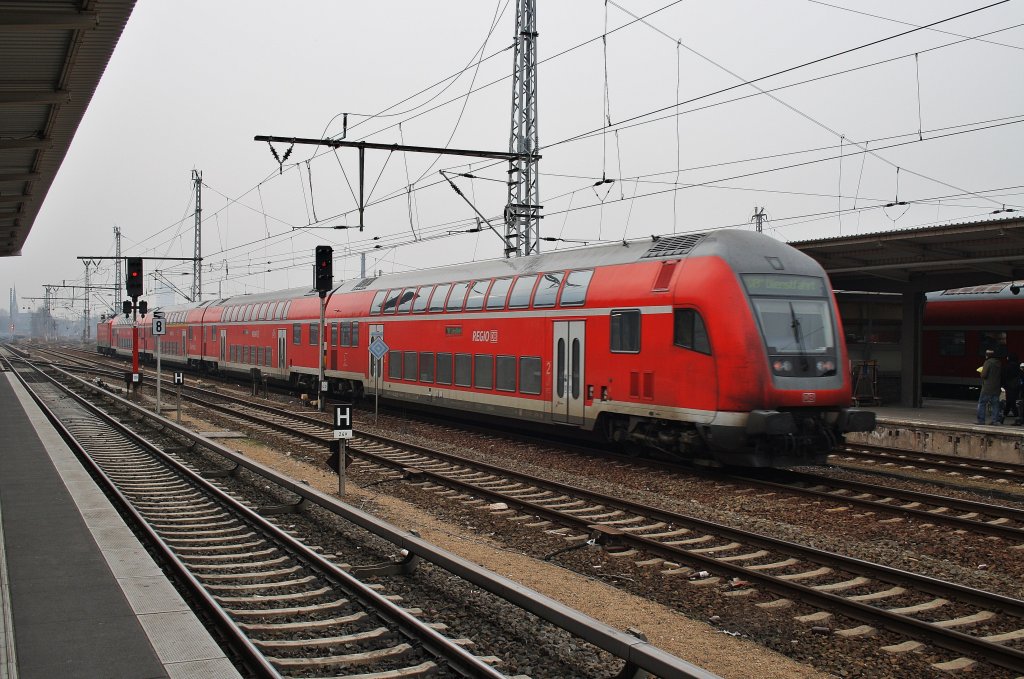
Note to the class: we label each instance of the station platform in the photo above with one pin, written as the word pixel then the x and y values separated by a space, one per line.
pixel 80 597
pixel 947 427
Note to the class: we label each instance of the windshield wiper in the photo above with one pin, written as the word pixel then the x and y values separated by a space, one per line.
pixel 798 336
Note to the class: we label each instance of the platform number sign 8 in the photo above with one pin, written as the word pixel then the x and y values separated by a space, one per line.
pixel 159 327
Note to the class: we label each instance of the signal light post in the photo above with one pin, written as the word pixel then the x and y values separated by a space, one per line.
pixel 323 281
pixel 133 286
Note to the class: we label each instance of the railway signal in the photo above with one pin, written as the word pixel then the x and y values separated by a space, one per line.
pixel 323 277
pixel 133 281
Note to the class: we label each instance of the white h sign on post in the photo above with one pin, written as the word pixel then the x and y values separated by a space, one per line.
pixel 342 421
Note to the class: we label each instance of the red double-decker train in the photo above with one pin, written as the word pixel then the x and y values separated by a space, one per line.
pixel 960 325
pixel 721 348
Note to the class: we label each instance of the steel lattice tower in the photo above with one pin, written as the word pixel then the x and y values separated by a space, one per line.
pixel 117 270
pixel 522 214
pixel 197 268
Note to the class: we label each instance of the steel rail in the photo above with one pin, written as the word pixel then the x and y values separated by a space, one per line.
pixel 633 650
pixel 252 657
pixel 455 655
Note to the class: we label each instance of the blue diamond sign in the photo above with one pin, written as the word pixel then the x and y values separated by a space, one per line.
pixel 378 348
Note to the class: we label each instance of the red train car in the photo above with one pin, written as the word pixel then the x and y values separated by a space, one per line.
pixel 723 347
pixel 959 325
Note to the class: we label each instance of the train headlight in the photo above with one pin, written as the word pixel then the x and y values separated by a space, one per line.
pixel 825 367
pixel 782 367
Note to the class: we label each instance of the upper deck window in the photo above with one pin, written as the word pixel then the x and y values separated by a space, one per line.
pixel 499 293
pixel 457 297
pixel 475 300
pixel 547 290
pixel 575 291
pixel 438 298
pixel 521 292
pixel 422 298
pixel 378 300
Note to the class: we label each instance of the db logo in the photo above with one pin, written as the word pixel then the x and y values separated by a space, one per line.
pixel 810 397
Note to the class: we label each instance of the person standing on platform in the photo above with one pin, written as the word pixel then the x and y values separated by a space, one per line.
pixel 990 386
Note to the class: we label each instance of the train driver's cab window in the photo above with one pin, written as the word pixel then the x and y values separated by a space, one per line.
pixel 457 297
pixel 438 298
pixel 378 300
pixel 421 299
pixel 953 343
pixel 689 331
pixel 547 289
pixel 521 292
pixel 575 291
pixel 475 299
pixel 499 293
pixel 625 331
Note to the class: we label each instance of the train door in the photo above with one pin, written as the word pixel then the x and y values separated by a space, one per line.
pixel 184 345
pixel 567 372
pixel 282 347
pixel 223 344
pixel 374 365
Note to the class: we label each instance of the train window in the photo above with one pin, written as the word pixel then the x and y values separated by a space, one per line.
pixel 314 334
pixel 246 310
pixel 245 354
pixel 265 311
pixel 953 343
pixel 334 334
pixel 499 293
pixel 463 370
pixel 444 368
pixel 475 299
pixel 576 284
pixel 378 300
pixel 483 371
pixel 296 333
pixel 287 308
pixel 190 333
pixel 411 367
pixel 355 333
pixel 547 290
pixel 405 303
pixel 426 367
pixel 282 307
pixel 689 331
pixel 438 298
pixel 232 313
pixel 574 367
pixel 457 297
pixel 259 356
pixel 391 302
pixel 346 334
pixel 529 375
pixel 268 357
pixel 395 365
pixel 505 367
pixel 422 298
pixel 560 368
pixel 521 292
pixel 213 332
pixel 625 331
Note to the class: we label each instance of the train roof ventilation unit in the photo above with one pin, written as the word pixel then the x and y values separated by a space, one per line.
pixel 364 283
pixel 673 246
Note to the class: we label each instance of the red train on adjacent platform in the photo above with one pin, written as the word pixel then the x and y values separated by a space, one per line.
pixel 959 325
pixel 721 348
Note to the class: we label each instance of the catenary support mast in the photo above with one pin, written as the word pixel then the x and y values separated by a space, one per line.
pixel 522 214
pixel 118 281
pixel 197 263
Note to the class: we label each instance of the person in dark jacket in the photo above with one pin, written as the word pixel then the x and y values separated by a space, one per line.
pixel 991 384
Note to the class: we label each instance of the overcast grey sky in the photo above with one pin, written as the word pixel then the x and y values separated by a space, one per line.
pixel 192 82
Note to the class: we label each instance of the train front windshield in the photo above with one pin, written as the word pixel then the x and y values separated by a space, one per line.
pixel 795 316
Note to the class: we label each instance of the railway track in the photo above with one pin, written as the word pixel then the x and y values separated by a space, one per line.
pixel 298 610
pixel 973 625
pixel 889 461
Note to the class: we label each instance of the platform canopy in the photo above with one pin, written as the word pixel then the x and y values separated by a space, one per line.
pixel 924 259
pixel 52 55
